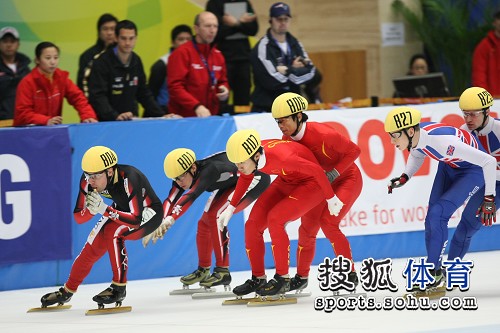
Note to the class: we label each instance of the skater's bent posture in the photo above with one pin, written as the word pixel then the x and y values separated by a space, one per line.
pixel 135 212
pixel 336 155
pixel 301 185
pixel 190 178
pixel 463 169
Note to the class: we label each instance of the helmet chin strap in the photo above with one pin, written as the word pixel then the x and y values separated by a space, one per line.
pixel 296 118
pixel 410 139
pixel 484 121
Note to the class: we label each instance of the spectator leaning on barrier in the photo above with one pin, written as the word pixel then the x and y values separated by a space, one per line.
pixel 118 82
pixel 13 67
pixel 40 94
pixel 196 73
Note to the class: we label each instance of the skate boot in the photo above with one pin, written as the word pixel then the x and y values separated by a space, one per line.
pixel 353 277
pixel 250 286
pixel 112 294
pixel 60 297
pixel 275 286
pixel 201 274
pixel 220 276
pixel 298 282
pixel 438 284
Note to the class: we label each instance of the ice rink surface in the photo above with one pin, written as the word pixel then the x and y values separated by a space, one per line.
pixel 154 310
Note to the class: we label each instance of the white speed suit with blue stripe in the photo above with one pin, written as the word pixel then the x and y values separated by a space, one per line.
pixel 489 138
pixel 464 168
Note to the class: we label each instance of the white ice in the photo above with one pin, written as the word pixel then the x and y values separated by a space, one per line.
pixel 155 311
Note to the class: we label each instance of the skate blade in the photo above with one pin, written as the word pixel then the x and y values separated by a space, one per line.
pixel 215 294
pixel 239 301
pixel 116 309
pixel 348 295
pixel 271 301
pixel 50 308
pixel 429 294
pixel 298 294
pixel 191 291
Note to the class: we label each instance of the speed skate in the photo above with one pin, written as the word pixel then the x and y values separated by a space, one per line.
pixel 288 298
pixel 213 293
pixel 51 308
pixel 118 308
pixel 431 293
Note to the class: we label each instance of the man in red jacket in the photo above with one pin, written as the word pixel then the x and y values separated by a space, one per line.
pixel 196 72
pixel 486 60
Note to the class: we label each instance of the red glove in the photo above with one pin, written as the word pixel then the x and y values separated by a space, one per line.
pixel 397 182
pixel 488 211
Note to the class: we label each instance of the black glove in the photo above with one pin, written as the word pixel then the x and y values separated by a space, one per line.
pixel 488 211
pixel 397 182
pixel 332 175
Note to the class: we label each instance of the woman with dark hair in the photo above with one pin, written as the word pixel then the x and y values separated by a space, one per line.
pixel 419 65
pixel 40 94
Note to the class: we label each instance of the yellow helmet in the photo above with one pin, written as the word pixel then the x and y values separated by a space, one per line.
pixel 98 158
pixel 242 145
pixel 288 104
pixel 178 161
pixel 475 98
pixel 401 118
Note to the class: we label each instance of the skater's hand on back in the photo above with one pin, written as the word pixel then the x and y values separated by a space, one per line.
pixel 335 205
pixel 166 224
pixel 224 217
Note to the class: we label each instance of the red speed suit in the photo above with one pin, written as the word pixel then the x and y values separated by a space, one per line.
pixel 301 185
pixel 333 151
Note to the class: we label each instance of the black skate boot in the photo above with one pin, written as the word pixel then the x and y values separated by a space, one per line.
pixel 220 276
pixel 112 294
pixel 298 282
pixel 249 286
pixel 199 275
pixel 353 277
pixel 275 286
pixel 60 297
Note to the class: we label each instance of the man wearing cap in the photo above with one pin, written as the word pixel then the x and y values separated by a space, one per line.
pixel 13 67
pixel 279 61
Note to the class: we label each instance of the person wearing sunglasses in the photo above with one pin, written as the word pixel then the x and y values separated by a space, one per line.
pixel 464 168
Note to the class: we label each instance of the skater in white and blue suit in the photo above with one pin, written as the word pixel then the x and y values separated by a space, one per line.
pixel 475 103
pixel 464 168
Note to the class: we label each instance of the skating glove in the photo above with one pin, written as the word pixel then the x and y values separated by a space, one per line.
pixel 95 204
pixel 332 175
pixel 335 205
pixel 487 211
pixel 224 217
pixel 397 182
pixel 147 214
pixel 166 224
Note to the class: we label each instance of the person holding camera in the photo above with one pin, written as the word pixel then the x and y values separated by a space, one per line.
pixel 279 61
